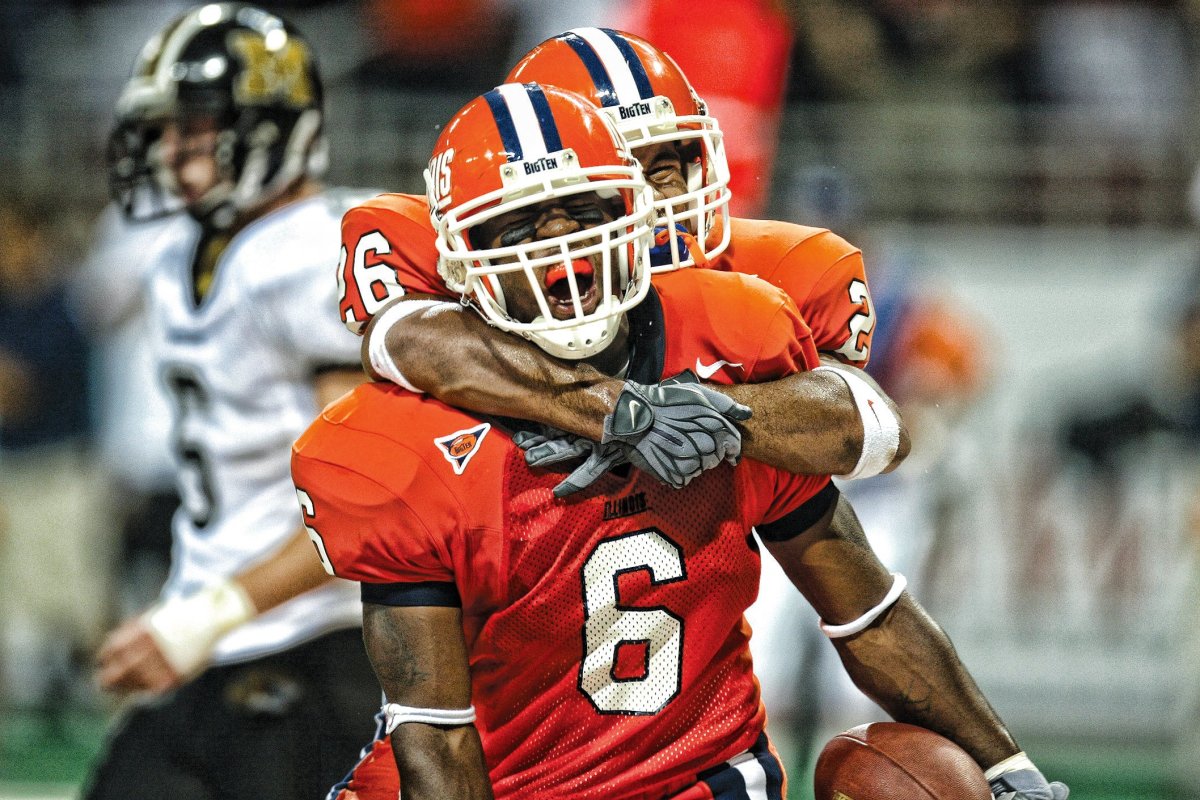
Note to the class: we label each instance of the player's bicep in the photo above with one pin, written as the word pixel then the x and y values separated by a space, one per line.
pixel 416 336
pixel 830 561
pixel 419 654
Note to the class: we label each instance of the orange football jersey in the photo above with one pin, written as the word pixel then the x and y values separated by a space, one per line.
pixel 388 250
pixel 822 273
pixel 609 654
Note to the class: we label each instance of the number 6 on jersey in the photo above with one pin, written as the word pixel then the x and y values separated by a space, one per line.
pixel 609 627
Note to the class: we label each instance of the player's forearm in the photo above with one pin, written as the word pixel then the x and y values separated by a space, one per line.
pixel 420 658
pixel 806 424
pixel 288 572
pixel 452 354
pixel 437 762
pixel 907 664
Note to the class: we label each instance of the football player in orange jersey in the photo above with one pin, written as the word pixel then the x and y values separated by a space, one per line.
pixel 592 647
pixel 810 423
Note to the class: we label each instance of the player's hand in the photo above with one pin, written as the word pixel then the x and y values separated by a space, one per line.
pixel 676 429
pixel 603 457
pixel 551 447
pixel 547 446
pixel 131 661
pixel 1027 784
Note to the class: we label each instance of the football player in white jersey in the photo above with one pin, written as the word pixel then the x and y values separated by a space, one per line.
pixel 254 656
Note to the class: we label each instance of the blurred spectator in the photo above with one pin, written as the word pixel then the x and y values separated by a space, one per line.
pixel 1118 76
pixel 539 20
pixel 1122 67
pixel 1129 467
pixel 908 49
pixel 453 45
pixel 51 553
pixel 1162 411
pixel 735 53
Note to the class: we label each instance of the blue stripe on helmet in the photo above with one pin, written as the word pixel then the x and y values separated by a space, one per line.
pixel 636 68
pixel 504 123
pixel 595 67
pixel 541 107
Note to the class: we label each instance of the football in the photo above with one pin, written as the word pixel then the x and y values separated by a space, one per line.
pixel 894 761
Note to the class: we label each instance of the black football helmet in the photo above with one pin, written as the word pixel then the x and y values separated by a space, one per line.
pixel 256 76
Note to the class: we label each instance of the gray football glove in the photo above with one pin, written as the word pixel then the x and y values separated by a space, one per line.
pixel 676 429
pixel 1027 784
pixel 551 447
pixel 672 430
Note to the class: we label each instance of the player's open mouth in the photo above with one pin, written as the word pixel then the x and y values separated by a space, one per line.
pixel 558 288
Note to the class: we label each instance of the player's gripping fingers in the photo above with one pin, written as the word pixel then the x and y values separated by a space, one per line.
pixel 676 451
pixel 554 451
pixel 130 661
pixel 526 439
pixel 602 459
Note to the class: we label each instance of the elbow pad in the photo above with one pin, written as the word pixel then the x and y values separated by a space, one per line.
pixel 881 428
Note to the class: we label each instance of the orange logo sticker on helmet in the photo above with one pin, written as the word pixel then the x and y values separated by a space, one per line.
pixel 459 447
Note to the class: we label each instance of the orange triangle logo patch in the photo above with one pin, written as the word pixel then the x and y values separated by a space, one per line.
pixel 459 447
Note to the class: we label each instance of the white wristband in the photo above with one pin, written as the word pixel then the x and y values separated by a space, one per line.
pixel 863 622
pixel 881 428
pixel 187 628
pixel 398 715
pixel 377 352
pixel 1010 764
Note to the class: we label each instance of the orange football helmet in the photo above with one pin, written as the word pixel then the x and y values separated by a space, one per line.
pixel 520 145
pixel 650 100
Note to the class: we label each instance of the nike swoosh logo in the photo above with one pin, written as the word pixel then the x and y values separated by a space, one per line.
pixel 706 371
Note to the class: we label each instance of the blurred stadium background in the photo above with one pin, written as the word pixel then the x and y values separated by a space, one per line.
pixel 1020 176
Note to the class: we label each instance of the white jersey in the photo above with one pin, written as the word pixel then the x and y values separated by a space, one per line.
pixel 239 369
pixel 134 415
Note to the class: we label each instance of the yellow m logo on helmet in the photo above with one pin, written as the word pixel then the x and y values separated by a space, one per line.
pixel 275 72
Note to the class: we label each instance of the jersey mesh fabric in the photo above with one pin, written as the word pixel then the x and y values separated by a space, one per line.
pixel 684 695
